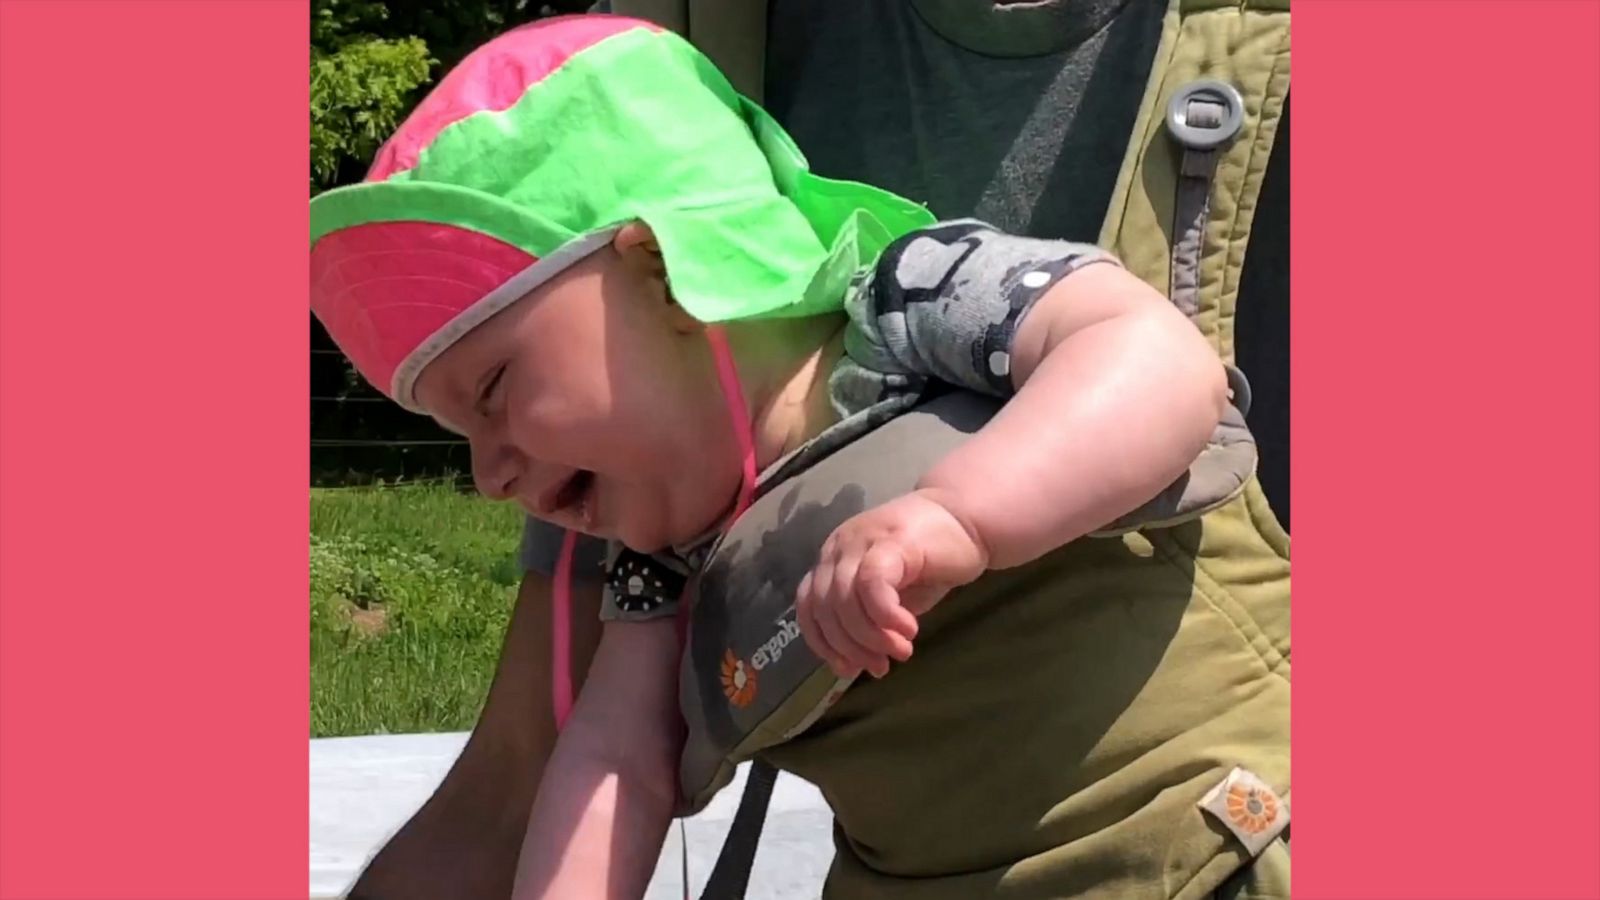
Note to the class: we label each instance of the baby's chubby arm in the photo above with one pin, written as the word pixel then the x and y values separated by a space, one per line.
pixel 1117 393
pixel 609 789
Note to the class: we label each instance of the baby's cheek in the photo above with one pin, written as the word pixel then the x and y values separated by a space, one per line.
pixel 545 434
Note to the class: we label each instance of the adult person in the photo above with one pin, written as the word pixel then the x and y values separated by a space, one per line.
pixel 1016 113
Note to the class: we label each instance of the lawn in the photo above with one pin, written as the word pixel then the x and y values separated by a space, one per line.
pixel 411 588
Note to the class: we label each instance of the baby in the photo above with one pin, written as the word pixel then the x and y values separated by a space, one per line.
pixel 617 280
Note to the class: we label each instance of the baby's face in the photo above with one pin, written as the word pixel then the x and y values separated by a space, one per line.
pixel 593 402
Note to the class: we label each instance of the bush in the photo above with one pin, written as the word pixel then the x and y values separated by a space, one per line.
pixel 359 94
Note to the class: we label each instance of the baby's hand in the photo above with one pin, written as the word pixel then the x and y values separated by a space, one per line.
pixel 877 572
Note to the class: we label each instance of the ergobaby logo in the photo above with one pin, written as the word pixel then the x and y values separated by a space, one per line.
pixel 1252 808
pixel 1249 807
pixel 738 680
pixel 772 650
pixel 739 677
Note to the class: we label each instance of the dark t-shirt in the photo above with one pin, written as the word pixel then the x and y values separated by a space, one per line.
pixel 1020 117
pixel 1017 116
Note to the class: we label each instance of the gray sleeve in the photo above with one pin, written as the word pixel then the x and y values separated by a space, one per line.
pixel 541 546
pixel 635 587
pixel 945 302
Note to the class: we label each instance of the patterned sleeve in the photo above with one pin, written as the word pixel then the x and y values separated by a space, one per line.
pixel 945 302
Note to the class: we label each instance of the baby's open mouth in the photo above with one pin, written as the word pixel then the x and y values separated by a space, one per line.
pixel 574 496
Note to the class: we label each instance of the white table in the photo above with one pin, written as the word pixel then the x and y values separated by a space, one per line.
pixel 364 788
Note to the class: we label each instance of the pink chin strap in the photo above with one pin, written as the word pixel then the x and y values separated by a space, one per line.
pixel 561 608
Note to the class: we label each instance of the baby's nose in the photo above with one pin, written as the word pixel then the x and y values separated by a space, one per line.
pixel 495 470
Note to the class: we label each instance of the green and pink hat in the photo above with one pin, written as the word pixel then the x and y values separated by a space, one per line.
pixel 534 150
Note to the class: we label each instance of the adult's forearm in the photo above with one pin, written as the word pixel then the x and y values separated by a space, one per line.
pixel 610 787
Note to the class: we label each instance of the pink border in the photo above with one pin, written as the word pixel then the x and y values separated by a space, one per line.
pixel 152 449
pixel 1446 391
pixel 153 466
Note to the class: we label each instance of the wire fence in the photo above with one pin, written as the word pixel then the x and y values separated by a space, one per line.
pixel 360 438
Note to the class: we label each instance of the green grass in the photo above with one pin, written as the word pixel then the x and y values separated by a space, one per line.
pixel 411 588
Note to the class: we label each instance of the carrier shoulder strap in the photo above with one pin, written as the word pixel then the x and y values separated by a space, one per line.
pixel 1181 212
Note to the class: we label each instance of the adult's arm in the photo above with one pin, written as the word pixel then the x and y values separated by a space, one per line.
pixel 610 788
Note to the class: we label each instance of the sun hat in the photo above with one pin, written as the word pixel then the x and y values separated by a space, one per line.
pixel 534 150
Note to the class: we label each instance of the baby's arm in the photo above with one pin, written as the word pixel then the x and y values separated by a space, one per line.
pixel 1117 394
pixel 610 787
pixel 1113 395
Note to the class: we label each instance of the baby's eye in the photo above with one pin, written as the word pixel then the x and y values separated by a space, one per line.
pixel 490 386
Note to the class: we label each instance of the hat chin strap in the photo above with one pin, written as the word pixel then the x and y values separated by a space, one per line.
pixel 561 607
pixel 743 431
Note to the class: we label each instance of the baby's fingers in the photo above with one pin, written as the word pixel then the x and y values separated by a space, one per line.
pixel 878 580
pixel 806 603
pixel 880 595
pixel 845 599
pixel 881 644
pixel 851 657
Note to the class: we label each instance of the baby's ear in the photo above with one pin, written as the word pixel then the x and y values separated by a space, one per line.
pixel 640 251
pixel 637 246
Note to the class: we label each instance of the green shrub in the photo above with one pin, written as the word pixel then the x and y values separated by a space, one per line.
pixel 359 94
